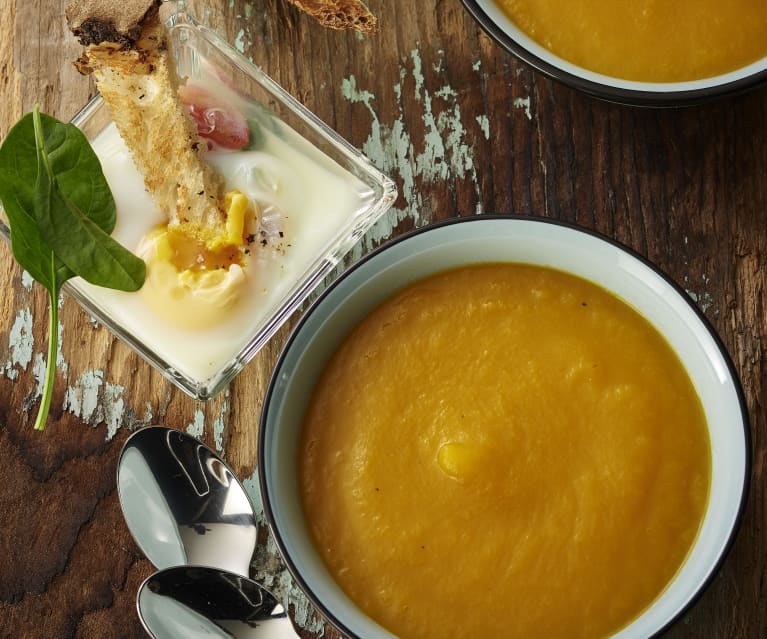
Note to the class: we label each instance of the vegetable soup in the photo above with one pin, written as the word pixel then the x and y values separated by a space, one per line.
pixel 649 40
pixel 504 450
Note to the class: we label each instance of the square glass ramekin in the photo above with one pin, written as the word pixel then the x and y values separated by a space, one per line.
pixel 200 53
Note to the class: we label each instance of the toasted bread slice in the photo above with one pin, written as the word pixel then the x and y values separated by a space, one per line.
pixel 127 53
pixel 340 14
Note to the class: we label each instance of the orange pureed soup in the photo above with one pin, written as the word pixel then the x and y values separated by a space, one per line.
pixel 504 450
pixel 647 40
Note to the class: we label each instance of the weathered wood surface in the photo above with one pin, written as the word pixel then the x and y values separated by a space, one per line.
pixel 464 129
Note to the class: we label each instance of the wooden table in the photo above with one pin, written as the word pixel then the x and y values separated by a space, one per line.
pixel 463 128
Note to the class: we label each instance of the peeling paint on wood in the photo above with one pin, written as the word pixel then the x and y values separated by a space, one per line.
pixel 219 422
pixel 95 401
pixel 27 280
pixel 20 344
pixel 442 153
pixel 196 428
pixel 702 298
pixel 81 399
pixel 524 104
pixel 484 124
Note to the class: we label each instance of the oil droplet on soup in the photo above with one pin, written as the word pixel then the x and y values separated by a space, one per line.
pixel 646 40
pixel 522 444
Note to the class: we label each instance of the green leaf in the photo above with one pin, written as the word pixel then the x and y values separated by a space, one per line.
pixel 78 174
pixel 61 212
pixel 74 235
pixel 17 195
pixel 72 160
pixel 82 245
pixel 29 248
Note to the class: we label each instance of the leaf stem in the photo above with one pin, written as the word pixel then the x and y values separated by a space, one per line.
pixel 53 343
pixel 42 151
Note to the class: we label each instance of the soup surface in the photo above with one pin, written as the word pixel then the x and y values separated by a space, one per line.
pixel 647 40
pixel 504 450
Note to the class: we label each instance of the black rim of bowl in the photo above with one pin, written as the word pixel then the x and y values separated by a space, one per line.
pixel 633 97
pixel 745 420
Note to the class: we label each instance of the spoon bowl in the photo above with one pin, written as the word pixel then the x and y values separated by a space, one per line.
pixel 199 601
pixel 182 503
pixel 194 521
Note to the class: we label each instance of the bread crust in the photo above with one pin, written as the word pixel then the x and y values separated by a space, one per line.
pixel 127 53
pixel 135 74
pixel 340 14
pixel 116 21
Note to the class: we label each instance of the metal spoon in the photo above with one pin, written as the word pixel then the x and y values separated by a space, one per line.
pixel 192 602
pixel 182 503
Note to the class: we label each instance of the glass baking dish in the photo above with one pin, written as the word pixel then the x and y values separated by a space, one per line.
pixel 343 196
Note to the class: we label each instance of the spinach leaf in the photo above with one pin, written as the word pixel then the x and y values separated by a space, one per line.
pixel 75 237
pixel 17 179
pixel 72 160
pixel 82 245
pixel 60 211
pixel 28 246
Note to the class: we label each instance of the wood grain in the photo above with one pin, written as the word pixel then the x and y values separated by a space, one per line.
pixel 463 128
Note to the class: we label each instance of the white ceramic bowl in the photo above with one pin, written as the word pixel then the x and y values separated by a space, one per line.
pixel 511 239
pixel 502 29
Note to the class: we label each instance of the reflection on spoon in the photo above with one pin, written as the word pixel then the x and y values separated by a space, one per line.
pixel 182 504
pixel 192 602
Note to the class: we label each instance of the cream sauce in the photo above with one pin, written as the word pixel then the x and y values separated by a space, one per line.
pixel 314 198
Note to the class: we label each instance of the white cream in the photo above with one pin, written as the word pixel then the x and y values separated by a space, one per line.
pixel 299 194
pixel 195 299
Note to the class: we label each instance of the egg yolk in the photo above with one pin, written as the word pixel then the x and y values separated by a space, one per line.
pixel 191 282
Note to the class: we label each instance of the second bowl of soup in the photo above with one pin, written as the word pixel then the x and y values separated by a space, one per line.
pixel 645 53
